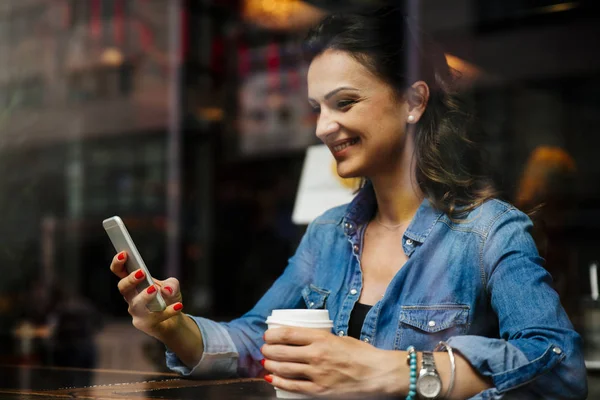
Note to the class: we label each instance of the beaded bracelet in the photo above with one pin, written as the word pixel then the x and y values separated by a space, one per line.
pixel 411 360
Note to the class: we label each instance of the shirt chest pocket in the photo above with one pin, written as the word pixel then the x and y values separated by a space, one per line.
pixel 425 326
pixel 314 297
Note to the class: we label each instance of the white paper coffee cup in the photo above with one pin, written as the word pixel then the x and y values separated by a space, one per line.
pixel 315 319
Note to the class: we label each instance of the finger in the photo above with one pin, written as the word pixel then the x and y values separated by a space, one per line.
pixel 168 312
pixel 284 353
pixel 288 369
pixel 294 385
pixel 293 336
pixel 137 306
pixel 170 290
pixel 150 319
pixel 171 311
pixel 128 284
pixel 117 266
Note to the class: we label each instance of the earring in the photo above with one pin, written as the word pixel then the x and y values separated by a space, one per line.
pixel 411 118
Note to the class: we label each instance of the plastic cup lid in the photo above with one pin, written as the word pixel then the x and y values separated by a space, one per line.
pixel 301 314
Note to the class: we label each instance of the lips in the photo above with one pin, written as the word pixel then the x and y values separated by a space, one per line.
pixel 343 144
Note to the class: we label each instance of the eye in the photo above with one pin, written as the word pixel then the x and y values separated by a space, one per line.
pixel 345 103
pixel 315 109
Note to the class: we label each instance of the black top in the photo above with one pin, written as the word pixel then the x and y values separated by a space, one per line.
pixel 357 318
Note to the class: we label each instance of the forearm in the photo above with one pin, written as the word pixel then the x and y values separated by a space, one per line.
pixel 467 381
pixel 185 340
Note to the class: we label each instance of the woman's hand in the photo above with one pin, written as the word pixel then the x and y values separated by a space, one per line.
pixel 319 363
pixel 156 324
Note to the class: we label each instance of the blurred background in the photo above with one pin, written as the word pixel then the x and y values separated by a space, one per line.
pixel 189 120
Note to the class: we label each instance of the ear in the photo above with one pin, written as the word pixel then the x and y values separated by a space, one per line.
pixel 417 97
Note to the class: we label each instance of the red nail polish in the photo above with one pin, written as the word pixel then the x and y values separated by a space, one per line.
pixel 269 378
pixel 262 362
pixel 177 306
pixel 151 289
pixel 139 274
pixel 168 289
pixel 121 256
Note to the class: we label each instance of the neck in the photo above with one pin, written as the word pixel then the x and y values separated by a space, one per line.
pixel 396 190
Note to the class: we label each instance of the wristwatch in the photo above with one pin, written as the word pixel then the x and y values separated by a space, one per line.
pixel 429 383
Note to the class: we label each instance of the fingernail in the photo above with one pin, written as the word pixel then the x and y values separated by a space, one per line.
pixel 121 256
pixel 262 362
pixel 177 306
pixel 269 378
pixel 168 289
pixel 139 274
pixel 151 289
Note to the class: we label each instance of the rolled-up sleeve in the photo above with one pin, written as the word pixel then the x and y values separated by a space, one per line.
pixel 233 348
pixel 219 358
pixel 538 354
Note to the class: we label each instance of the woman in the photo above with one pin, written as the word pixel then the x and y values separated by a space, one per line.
pixel 422 254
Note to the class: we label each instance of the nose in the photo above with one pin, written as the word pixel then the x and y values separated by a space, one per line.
pixel 325 127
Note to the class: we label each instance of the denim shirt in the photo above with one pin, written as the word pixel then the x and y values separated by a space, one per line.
pixel 477 283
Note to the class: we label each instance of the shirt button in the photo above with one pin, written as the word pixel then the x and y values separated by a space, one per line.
pixel 557 350
pixel 311 304
pixel 431 323
pixel 353 292
pixel 366 340
pixel 356 248
pixel 341 333
pixel 409 242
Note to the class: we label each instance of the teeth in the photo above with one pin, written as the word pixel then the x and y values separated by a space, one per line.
pixel 342 146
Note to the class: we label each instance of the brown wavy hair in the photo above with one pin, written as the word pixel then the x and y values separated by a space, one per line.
pixel 449 164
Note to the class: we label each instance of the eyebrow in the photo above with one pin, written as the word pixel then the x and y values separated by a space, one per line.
pixel 334 91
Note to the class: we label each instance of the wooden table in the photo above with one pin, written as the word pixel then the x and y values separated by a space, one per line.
pixel 37 383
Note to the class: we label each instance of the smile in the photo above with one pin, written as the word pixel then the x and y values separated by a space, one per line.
pixel 342 146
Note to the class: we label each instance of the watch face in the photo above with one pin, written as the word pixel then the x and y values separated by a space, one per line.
pixel 429 386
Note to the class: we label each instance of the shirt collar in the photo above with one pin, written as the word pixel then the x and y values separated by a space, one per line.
pixel 363 207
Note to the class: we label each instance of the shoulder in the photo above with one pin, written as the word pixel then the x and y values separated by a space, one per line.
pixel 490 215
pixel 333 216
pixel 325 231
pixel 326 225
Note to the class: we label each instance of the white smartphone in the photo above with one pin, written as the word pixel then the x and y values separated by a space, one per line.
pixel 119 236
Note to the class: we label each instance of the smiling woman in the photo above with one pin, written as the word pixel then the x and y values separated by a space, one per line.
pixel 423 258
pixel 386 69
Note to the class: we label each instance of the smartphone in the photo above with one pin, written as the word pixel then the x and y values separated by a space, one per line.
pixel 120 238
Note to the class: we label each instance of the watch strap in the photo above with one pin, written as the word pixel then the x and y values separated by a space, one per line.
pixel 427 360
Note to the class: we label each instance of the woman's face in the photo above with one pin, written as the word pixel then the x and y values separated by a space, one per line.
pixel 360 117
